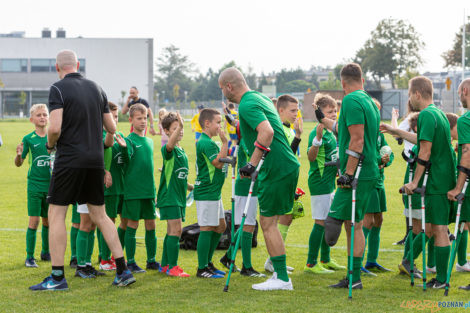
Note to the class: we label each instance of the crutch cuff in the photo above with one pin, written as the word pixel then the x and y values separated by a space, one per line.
pixel 464 170
pixel 355 154
pixel 425 163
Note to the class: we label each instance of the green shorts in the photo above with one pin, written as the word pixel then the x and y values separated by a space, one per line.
pixel 377 201
pixel 37 204
pixel 75 214
pixel 464 211
pixel 113 205
pixel 276 197
pixel 415 201
pixel 172 213
pixel 437 209
pixel 139 209
pixel 341 206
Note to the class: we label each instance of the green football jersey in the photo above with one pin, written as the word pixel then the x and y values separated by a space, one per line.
pixel 39 173
pixel 139 182
pixel 209 180
pixel 174 178
pixel 289 132
pixel 358 108
pixel 463 130
pixel 321 178
pixel 242 185
pixel 256 108
pixel 116 169
pixel 433 126
pixel 381 142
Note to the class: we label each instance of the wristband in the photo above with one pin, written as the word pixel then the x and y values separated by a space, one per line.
pixel 49 148
pixel 317 143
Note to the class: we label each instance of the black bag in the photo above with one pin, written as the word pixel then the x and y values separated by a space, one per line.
pixel 190 235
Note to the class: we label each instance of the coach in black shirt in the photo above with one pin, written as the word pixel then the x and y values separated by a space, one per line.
pixel 78 110
pixel 133 99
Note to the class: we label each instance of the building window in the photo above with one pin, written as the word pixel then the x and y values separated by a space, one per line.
pixel 42 65
pixel 81 69
pixel 14 65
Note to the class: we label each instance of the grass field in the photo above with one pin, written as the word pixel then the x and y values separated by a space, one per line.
pixel 157 292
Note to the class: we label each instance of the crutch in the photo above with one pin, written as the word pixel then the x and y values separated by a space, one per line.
pixel 254 176
pixel 457 232
pixel 233 162
pixel 422 190
pixel 359 156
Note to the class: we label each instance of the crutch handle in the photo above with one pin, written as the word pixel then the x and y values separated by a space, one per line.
pixel 460 197
pixel 231 161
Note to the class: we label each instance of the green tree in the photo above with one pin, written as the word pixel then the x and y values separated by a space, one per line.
pixel 394 47
pixel 403 80
pixel 263 81
pixel 298 85
pixel 173 68
pixel 331 84
pixel 453 57
pixel 285 76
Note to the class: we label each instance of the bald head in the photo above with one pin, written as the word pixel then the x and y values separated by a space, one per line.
pixel 465 84
pixel 232 76
pixel 464 92
pixel 66 60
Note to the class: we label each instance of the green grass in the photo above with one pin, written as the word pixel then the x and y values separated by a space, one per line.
pixel 156 292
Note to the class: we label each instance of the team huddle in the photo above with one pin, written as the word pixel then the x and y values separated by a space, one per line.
pixel 347 154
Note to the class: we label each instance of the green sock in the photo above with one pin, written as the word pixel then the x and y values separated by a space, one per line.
pixel 462 250
pixel 357 263
pixel 122 236
pixel 366 232
pixel 203 247
pixel 325 250
pixel 284 229
pixel 73 242
pixel 247 239
pixel 314 243
pixel 431 254
pixel 151 245
pixel 30 242
pixel 442 261
pixel 105 252
pixel 374 244
pixel 91 246
pixel 279 264
pixel 409 238
pixel 165 252
pixel 130 244
pixel 82 247
pixel 418 246
pixel 100 243
pixel 45 239
pixel 214 243
pixel 173 248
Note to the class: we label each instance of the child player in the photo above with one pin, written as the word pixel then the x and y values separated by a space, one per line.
pixel 39 176
pixel 287 108
pixel 139 191
pixel 321 182
pixel 171 199
pixel 207 191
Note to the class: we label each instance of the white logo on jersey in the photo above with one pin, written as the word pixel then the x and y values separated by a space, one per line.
pixel 138 146
pixel 36 145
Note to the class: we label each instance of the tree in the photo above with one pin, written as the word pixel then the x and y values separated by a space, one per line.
pixel 250 77
pixel 402 81
pixel 298 85
pixel 263 81
pixel 394 47
pixel 173 68
pixel 331 84
pixel 453 57
pixel 285 76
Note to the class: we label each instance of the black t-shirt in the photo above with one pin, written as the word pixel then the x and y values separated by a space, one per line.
pixel 80 144
pixel 139 100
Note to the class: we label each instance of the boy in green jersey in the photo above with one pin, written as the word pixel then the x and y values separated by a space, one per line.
pixel 139 190
pixel 287 108
pixel 207 191
pixel 378 204
pixel 171 198
pixel 321 183
pixel 434 146
pixel 463 129
pixel 39 176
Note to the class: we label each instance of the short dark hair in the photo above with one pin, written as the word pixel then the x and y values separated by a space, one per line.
pixel 168 119
pixel 423 85
pixel 134 87
pixel 452 117
pixel 137 107
pixel 112 106
pixel 284 100
pixel 351 72
pixel 231 106
pixel 323 100
pixel 207 115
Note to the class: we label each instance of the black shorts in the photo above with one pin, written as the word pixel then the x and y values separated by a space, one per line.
pixel 76 185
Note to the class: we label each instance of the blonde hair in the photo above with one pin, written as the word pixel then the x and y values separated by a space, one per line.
pixel 137 107
pixel 323 100
pixel 36 107
pixel 162 113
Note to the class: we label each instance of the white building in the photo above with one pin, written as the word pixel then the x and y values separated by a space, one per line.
pixel 27 67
